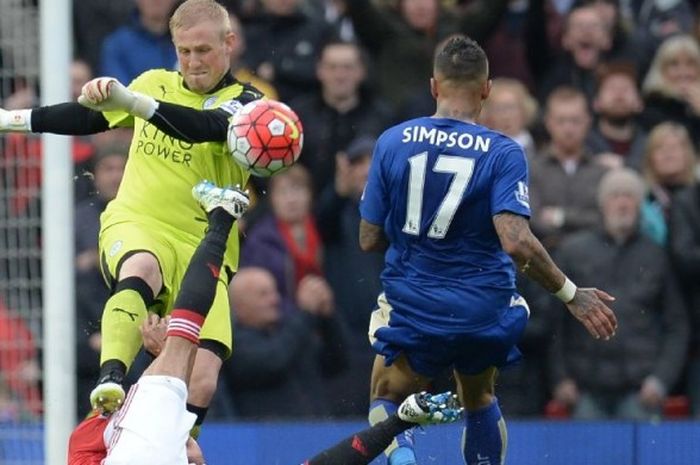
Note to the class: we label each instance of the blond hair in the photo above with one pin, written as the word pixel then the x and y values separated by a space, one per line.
pixel 655 139
pixel 193 12
pixel 655 81
pixel 527 103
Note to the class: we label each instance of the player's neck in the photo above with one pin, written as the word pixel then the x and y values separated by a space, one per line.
pixel 457 110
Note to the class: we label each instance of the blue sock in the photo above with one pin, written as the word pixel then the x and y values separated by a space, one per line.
pixel 400 452
pixel 485 439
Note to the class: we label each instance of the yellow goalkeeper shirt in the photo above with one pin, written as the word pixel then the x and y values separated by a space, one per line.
pixel 161 170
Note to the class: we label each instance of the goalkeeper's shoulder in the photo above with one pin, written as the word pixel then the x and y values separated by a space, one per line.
pixel 238 94
pixel 150 81
pixel 250 93
pixel 244 92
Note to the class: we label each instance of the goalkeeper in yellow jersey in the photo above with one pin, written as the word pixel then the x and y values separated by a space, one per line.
pixel 151 229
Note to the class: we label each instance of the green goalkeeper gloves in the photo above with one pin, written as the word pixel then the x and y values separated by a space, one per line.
pixel 15 120
pixel 108 94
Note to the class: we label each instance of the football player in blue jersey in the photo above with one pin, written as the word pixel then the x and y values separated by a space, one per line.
pixel 447 200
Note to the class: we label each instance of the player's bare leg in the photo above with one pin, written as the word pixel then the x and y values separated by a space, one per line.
pixel 389 386
pixel 395 382
pixel 175 360
pixel 485 438
pixel 205 375
pixel 139 281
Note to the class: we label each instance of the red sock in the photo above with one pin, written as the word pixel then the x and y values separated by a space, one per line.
pixel 185 324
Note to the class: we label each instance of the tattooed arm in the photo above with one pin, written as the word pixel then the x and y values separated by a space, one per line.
pixel 372 237
pixel 532 259
pixel 527 252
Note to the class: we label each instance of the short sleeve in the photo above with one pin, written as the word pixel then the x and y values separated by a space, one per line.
pixel 510 185
pixel 374 201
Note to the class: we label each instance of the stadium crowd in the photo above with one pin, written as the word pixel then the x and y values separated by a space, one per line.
pixel 604 97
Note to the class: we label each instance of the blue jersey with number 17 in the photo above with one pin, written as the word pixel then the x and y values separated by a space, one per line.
pixel 434 186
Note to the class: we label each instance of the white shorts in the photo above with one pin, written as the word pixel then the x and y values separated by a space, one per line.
pixel 153 425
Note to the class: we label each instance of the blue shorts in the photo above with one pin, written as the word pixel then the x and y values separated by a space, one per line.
pixel 468 352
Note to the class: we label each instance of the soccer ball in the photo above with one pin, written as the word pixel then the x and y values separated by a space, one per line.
pixel 265 136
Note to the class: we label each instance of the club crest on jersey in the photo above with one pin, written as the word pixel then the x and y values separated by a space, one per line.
pixel 116 247
pixel 208 103
pixel 522 194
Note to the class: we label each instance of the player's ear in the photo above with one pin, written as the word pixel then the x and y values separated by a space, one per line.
pixel 486 89
pixel 433 88
pixel 230 41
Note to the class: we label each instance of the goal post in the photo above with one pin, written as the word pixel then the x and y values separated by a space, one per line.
pixel 57 244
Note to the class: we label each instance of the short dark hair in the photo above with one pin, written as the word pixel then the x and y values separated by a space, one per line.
pixel 459 58
pixel 565 93
pixel 335 41
pixel 612 68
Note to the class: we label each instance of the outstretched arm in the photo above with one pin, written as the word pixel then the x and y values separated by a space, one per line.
pixel 184 123
pixel 64 118
pixel 73 119
pixel 587 305
pixel 191 125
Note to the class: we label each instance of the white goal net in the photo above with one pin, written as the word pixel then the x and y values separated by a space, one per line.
pixel 21 406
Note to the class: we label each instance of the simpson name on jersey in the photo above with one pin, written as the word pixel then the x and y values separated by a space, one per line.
pixel 438 137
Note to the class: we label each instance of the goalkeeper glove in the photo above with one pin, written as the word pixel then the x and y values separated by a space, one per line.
pixel 108 94
pixel 15 120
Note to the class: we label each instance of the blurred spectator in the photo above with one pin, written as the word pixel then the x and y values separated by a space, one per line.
pixel 515 47
pixel 657 20
pixel 352 274
pixel 10 409
pixel 93 20
pixel 623 45
pixel 280 364
pixel 672 86
pixel 617 138
pixel 511 110
pixel 285 240
pixel 669 165
pixel 403 41
pixel 684 244
pixel 334 12
pixel 240 71
pixel 564 178
pixel 19 364
pixel 91 292
pixel 337 113
pixel 629 376
pixel 585 41
pixel 143 43
pixel 80 73
pixel 287 44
